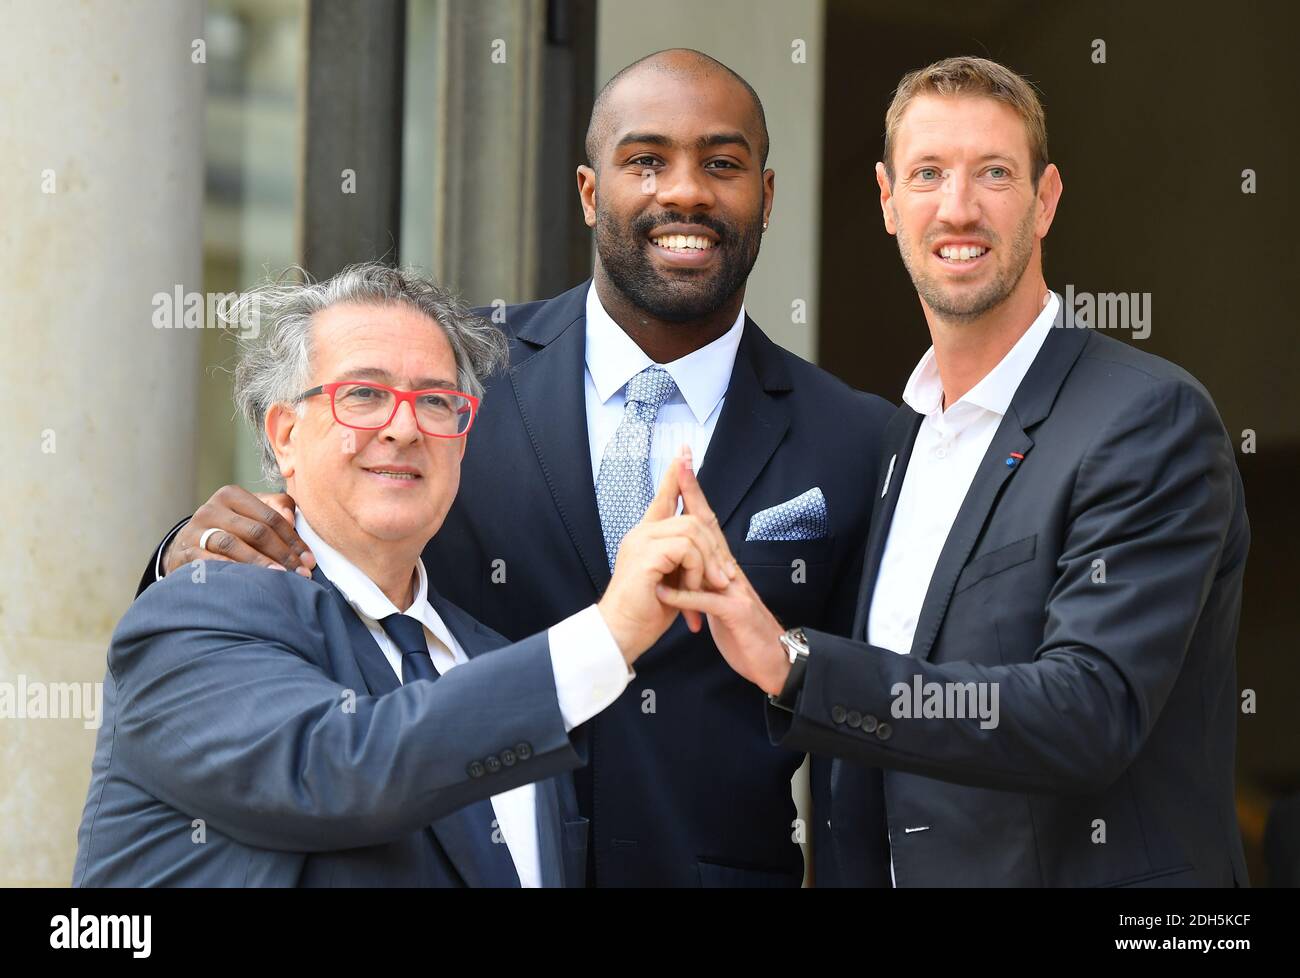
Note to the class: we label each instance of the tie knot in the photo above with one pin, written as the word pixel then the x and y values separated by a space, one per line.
pixel 651 387
pixel 406 632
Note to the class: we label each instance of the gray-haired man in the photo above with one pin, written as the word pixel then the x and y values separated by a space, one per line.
pixel 270 729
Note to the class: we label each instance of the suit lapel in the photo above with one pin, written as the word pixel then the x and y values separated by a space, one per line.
pixel 900 436
pixel 1031 404
pixel 751 425
pixel 474 638
pixel 990 477
pixel 370 658
pixel 464 835
pixel 550 389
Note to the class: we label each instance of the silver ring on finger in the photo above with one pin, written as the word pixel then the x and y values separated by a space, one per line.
pixel 207 534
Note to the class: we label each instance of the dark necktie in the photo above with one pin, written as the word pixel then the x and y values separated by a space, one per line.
pixel 408 635
pixel 473 824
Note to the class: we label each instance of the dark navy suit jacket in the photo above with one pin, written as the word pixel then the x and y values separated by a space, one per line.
pixel 256 702
pixel 683 788
pixel 1098 584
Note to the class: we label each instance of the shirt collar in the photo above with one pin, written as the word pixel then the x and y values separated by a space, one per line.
pixel 362 594
pixel 924 390
pixel 701 377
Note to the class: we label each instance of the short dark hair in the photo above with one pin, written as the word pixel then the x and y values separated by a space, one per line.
pixel 599 127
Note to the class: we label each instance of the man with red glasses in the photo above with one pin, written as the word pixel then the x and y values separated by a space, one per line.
pixel 347 729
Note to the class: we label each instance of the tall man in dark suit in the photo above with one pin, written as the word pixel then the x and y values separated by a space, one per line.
pixel 605 382
pixel 1041 674
pixel 350 729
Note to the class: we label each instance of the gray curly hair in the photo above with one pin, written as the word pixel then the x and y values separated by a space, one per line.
pixel 274 365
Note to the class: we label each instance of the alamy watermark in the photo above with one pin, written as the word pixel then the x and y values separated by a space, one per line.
pixel 946 701
pixel 179 309
pixel 1108 310
pixel 75 931
pixel 36 700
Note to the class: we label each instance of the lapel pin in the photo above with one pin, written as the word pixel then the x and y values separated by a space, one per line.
pixel 1013 459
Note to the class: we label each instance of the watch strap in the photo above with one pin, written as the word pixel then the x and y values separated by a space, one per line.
pixel 789 694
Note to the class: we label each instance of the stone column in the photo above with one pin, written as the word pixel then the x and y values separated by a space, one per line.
pixel 498 95
pixel 101 189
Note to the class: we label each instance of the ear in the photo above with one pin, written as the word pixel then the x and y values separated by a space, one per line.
pixel 587 194
pixel 1049 195
pixel 280 422
pixel 886 199
pixel 769 194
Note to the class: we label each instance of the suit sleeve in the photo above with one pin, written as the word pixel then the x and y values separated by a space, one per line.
pixel 153 570
pixel 1153 498
pixel 226 713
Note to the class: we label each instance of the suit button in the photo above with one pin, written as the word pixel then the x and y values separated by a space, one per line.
pixel 523 750
pixel 854 719
pixel 492 764
pixel 838 713
pixel 475 769
pixel 869 724
pixel 883 731
pixel 508 757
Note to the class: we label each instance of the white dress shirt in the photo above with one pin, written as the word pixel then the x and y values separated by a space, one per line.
pixel 589 674
pixel 949 446
pixel 689 416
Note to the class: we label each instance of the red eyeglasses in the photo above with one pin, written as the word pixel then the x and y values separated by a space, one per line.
pixel 368 406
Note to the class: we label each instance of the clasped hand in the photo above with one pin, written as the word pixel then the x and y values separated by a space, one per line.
pixel 670 564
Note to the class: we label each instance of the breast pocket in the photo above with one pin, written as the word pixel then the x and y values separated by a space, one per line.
pixel 997 561
pixel 793 577
pixel 783 553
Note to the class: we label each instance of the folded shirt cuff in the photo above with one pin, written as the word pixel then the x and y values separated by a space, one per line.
pixel 589 670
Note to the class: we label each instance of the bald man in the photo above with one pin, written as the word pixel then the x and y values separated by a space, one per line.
pixel 606 382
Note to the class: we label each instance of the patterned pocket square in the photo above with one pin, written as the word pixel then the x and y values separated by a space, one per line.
pixel 800 518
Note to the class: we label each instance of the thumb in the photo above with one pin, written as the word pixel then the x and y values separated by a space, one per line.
pixel 664 503
pixel 281 502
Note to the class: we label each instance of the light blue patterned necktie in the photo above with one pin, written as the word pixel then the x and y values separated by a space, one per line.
pixel 623 486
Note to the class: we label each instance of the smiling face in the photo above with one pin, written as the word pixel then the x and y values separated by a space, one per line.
pixel 963 204
pixel 371 490
pixel 681 195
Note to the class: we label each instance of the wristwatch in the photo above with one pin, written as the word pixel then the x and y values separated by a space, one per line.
pixel 795 643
